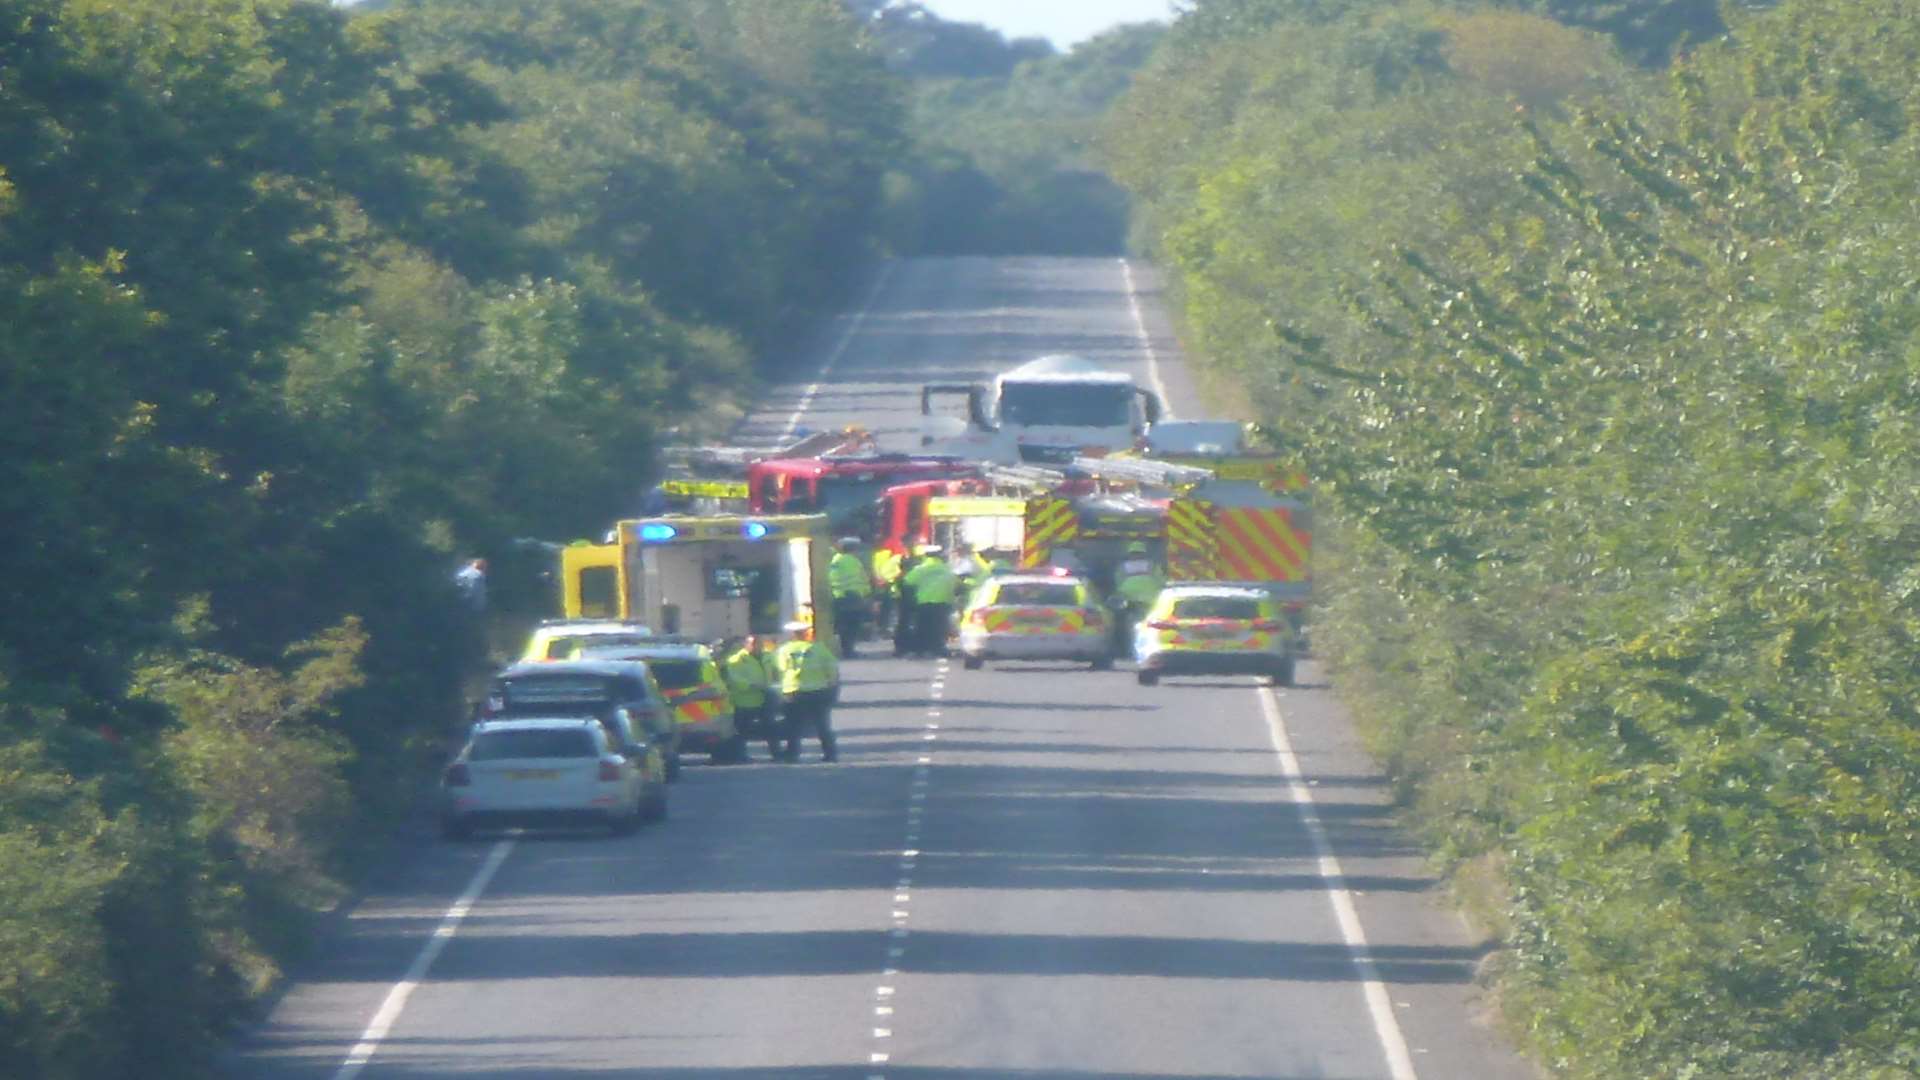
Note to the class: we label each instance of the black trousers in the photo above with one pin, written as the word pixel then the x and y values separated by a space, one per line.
pixel 850 621
pixel 810 709
pixel 904 641
pixel 930 625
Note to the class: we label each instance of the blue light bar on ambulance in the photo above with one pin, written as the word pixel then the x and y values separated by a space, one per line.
pixel 657 533
pixel 755 530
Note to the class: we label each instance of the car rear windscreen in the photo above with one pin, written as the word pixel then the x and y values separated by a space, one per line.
pixel 570 647
pixel 676 674
pixel 1036 594
pixel 590 692
pixel 1216 607
pixel 533 743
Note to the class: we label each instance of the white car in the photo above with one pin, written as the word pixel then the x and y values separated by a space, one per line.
pixel 550 770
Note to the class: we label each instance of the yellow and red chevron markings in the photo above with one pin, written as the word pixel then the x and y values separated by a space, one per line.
pixel 1033 620
pixel 1192 550
pixel 1049 522
pixel 689 709
pixel 1261 545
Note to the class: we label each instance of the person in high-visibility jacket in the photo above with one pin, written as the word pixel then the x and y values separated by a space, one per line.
pixel 934 587
pixel 887 569
pixel 748 685
pixel 852 587
pixel 809 679
pixel 968 566
pixel 1138 587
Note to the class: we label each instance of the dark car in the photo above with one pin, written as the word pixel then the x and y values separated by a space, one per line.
pixel 621 694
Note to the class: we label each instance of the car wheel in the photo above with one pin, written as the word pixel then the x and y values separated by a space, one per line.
pixel 673 766
pixel 1148 678
pixel 657 806
pixel 455 828
pixel 1104 663
pixel 731 752
pixel 974 663
pixel 1283 674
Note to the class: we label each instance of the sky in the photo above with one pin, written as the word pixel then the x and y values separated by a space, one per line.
pixel 1066 22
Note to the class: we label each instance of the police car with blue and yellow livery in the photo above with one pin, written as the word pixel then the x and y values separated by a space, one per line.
pixel 1041 616
pixel 1215 629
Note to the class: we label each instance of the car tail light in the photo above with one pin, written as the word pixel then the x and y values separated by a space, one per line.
pixel 609 771
pixel 1163 624
pixel 458 775
pixel 1267 625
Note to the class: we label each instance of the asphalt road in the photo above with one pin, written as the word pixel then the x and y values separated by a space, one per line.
pixel 1031 871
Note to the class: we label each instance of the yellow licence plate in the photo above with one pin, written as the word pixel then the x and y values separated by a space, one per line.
pixel 534 774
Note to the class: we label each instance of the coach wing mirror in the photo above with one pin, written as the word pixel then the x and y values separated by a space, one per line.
pixel 1150 402
pixel 977 409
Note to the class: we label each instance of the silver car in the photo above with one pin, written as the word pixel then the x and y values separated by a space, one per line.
pixel 550 771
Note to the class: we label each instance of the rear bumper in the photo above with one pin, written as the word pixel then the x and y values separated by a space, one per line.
pixel 707 735
pixel 552 818
pixel 1034 646
pixel 1188 661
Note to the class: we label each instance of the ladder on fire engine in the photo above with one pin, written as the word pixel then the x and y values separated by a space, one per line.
pixel 706 460
pixel 1144 472
pixel 1023 479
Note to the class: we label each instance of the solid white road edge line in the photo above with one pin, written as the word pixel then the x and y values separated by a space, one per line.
pixel 396 1001
pixel 826 369
pixel 1379 1005
pixel 1146 342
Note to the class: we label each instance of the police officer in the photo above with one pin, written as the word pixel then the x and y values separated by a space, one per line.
pixel 1138 587
pixel 887 568
pixel 748 685
pixel 852 588
pixel 966 566
pixel 934 587
pixel 809 683
pixel 903 628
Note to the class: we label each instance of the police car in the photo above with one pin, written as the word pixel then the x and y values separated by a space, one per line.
pixel 1034 617
pixel 1214 629
pixel 564 639
pixel 690 680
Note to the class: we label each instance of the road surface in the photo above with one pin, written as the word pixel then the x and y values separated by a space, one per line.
pixel 1031 871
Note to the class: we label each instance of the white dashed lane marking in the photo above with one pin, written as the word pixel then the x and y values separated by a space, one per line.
pixel 909 855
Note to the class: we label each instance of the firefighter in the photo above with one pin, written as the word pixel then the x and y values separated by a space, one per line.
pixel 852 587
pixel 934 588
pixel 1138 586
pixel 809 684
pixel 748 683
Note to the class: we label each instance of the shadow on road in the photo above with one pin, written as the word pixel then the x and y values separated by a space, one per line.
pixel 967 703
pixel 460 1062
pixel 537 954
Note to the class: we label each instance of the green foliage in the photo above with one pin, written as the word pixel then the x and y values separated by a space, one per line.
pixel 297 305
pixel 1613 409
pixel 55 862
pixel 1005 160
